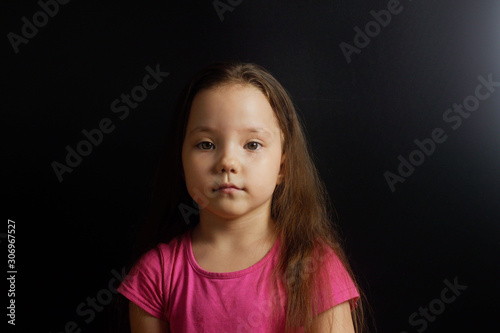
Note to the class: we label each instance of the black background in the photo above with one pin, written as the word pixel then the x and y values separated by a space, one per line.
pixel 440 224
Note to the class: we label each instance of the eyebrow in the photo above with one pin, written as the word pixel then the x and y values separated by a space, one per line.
pixel 248 129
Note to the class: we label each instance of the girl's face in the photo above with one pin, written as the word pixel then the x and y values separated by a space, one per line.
pixel 232 136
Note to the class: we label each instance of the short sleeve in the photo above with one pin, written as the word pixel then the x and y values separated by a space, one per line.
pixel 144 284
pixel 339 286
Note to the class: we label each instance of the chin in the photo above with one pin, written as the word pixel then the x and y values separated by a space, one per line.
pixel 226 212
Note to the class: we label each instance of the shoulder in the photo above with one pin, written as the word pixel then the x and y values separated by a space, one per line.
pixel 153 263
pixel 335 282
pixel 162 251
pixel 165 252
pixel 333 260
pixel 148 282
pixel 327 260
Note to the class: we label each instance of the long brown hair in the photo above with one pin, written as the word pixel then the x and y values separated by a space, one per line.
pixel 300 207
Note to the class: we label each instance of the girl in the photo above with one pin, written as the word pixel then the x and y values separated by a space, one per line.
pixel 242 240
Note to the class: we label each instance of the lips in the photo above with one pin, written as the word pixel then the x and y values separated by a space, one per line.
pixel 228 186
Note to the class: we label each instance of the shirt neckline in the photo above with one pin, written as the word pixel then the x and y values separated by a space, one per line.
pixel 225 275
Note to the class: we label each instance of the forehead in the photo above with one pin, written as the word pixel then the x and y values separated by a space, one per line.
pixel 230 108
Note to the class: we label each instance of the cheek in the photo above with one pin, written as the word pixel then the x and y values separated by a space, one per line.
pixel 269 169
pixel 188 160
pixel 195 170
pixel 191 171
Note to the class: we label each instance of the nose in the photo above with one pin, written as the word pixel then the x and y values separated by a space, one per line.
pixel 228 161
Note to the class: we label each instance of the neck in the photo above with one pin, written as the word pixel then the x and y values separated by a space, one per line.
pixel 232 233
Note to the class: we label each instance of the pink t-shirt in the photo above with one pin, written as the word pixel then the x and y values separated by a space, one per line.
pixel 168 283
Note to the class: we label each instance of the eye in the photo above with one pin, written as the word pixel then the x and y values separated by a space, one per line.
pixel 253 145
pixel 205 145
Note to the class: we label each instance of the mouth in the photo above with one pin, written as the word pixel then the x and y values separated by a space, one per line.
pixel 227 188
